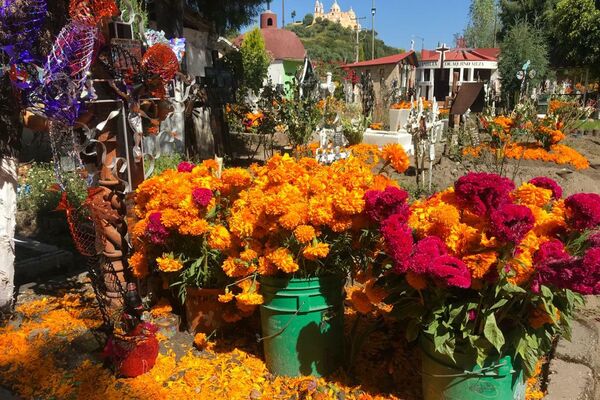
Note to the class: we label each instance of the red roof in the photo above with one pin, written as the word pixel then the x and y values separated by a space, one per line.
pixel 486 54
pixel 280 43
pixel 393 59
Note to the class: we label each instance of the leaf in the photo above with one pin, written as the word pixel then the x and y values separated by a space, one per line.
pixel 492 333
pixel 499 304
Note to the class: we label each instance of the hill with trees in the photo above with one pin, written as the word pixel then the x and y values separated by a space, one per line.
pixel 330 42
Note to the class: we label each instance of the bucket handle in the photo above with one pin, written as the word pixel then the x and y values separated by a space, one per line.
pixel 260 339
pixel 483 372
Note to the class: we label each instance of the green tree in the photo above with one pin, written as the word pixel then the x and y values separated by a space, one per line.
pixel 227 14
pixel 523 42
pixel 576 34
pixel 255 60
pixel 483 24
pixel 308 19
pixel 535 12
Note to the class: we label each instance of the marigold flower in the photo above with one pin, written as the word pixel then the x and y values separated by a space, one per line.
pixel 316 251
pixel 248 255
pixel 395 155
pixel 304 233
pixel 359 300
pixel 167 263
pixel 540 317
pixel 201 342
pixel 529 194
pixel 138 264
pixel 479 264
pixel 550 184
pixel 248 301
pixel 226 298
pixel 219 238
pixel 284 260
pixel 374 292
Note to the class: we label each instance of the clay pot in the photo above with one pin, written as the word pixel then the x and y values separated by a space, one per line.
pixel 202 310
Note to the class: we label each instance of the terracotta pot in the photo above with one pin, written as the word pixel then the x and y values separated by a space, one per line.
pixel 202 310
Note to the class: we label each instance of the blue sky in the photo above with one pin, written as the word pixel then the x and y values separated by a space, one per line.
pixel 397 21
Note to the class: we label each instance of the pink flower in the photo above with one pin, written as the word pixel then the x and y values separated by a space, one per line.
pixel 185 166
pixel 399 240
pixel 511 222
pixel 202 196
pixel 594 240
pixel 425 252
pixel 583 210
pixel 156 232
pixel 452 271
pixel 483 192
pixel 472 315
pixel 547 183
pixel 379 205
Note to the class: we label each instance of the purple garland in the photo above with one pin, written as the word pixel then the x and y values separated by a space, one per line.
pixel 21 22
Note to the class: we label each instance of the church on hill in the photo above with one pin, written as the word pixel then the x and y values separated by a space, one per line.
pixel 345 18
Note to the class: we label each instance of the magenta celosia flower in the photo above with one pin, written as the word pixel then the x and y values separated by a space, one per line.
pixel 156 232
pixel 379 205
pixel 425 252
pixel 483 192
pixel 451 271
pixel 202 196
pixel 398 239
pixel 555 267
pixel 511 222
pixel 583 210
pixel 185 166
pixel 550 184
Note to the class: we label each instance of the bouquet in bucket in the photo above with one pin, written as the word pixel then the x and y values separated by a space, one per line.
pixel 487 269
pixel 181 233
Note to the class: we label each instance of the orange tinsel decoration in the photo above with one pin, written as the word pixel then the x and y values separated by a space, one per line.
pixel 160 60
pixel 92 11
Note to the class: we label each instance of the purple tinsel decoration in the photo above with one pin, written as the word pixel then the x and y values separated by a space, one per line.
pixel 21 22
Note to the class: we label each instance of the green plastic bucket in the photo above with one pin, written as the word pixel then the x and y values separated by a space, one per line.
pixel 446 379
pixel 303 325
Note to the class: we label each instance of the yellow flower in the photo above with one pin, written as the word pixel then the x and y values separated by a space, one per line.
pixel 531 195
pixel 395 155
pixel 225 298
pixel 480 263
pixel 314 252
pixel 219 238
pixel 304 233
pixel 284 260
pixel 138 264
pixel 248 301
pixel 167 263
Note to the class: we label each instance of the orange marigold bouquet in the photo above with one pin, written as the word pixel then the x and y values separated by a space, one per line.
pixel 298 217
pixel 489 269
pixel 181 232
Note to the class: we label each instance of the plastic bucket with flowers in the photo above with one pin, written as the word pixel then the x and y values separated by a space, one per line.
pixel 461 378
pixel 302 324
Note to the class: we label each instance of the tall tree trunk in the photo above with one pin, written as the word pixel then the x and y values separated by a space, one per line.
pixel 10 133
pixel 169 17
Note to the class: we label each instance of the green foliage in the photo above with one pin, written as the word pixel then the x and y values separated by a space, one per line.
pixel 354 129
pixel 301 116
pixel 497 319
pixel 523 42
pixel 38 191
pixel 483 24
pixel 328 41
pixel 576 33
pixel 228 14
pixel 534 12
pixel 165 162
pixel 254 60
pixel 308 19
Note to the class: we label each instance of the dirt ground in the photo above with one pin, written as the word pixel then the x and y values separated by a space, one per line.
pixel 446 171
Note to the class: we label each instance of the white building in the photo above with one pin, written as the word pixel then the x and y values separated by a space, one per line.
pixel 459 65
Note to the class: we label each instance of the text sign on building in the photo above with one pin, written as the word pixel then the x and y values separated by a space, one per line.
pixel 459 64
